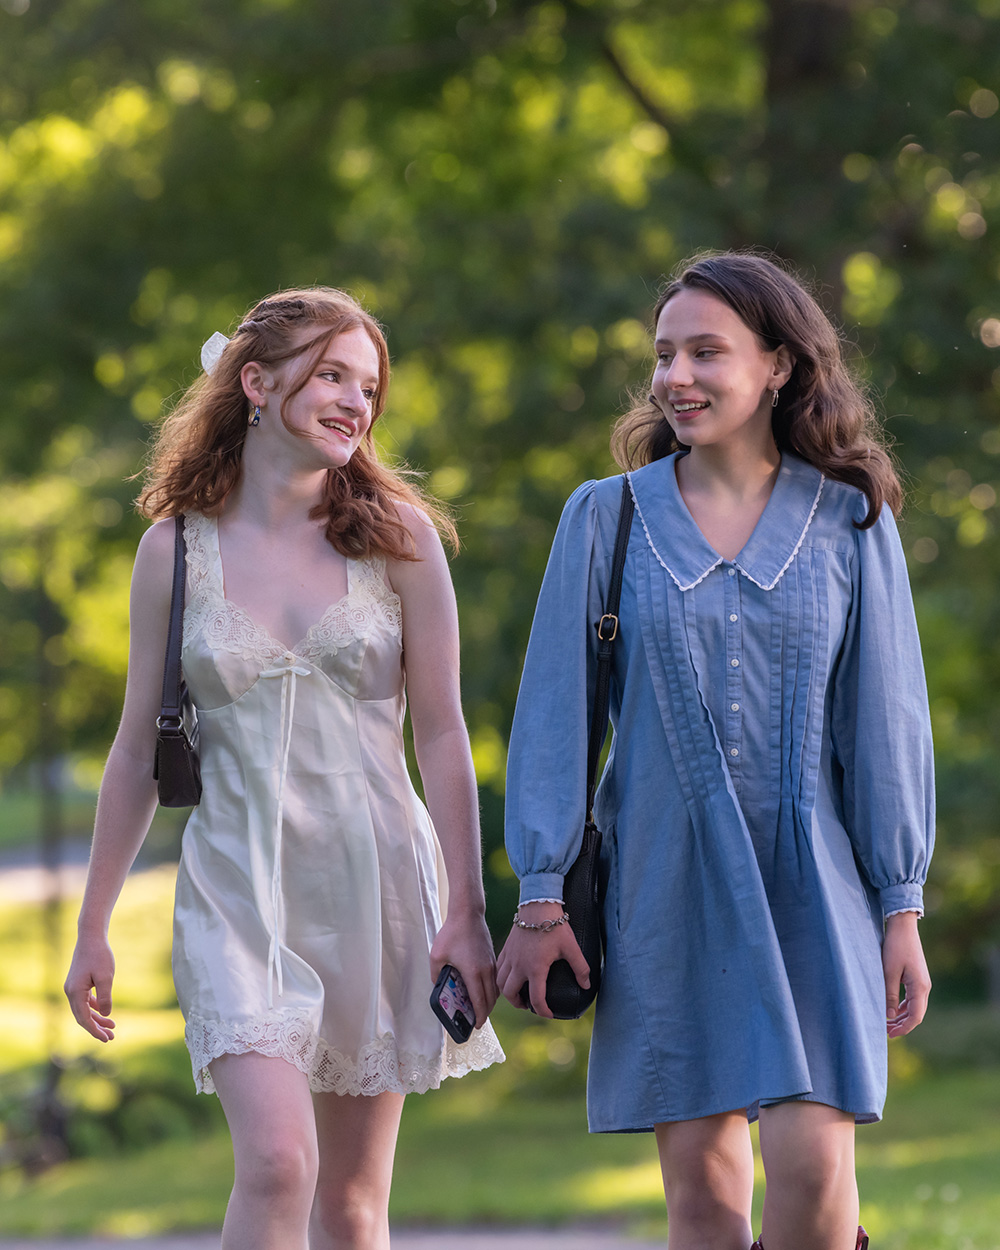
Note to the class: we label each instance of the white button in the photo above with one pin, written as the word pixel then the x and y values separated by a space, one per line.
pixel 733 616
pixel 733 751
pixel 735 663
pixel 732 572
pixel 734 707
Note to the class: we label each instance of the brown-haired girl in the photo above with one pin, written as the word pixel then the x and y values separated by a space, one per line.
pixel 308 920
pixel 767 805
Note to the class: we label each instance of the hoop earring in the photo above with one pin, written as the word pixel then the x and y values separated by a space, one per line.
pixel 774 400
pixel 254 419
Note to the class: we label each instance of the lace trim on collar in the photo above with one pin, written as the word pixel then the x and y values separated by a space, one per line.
pixel 802 537
pixel 652 546
pixel 712 567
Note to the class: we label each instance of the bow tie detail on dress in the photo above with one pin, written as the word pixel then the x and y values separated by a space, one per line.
pixel 289 669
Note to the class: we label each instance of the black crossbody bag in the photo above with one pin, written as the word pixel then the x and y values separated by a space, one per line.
pixel 176 766
pixel 566 998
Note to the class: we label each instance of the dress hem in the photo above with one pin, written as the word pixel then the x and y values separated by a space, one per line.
pixel 752 1113
pixel 380 1066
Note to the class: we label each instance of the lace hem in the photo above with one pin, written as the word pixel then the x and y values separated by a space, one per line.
pixel 368 604
pixel 379 1067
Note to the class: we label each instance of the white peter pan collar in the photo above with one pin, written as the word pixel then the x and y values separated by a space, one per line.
pixel 681 548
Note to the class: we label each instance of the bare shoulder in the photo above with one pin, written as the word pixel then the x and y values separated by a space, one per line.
pixel 420 528
pixel 428 573
pixel 430 612
pixel 154 560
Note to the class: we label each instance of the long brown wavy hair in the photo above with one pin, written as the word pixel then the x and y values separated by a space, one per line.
pixel 196 457
pixel 822 413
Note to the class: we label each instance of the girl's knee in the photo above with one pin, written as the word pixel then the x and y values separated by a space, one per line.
pixel 351 1215
pixel 707 1189
pixel 283 1167
pixel 811 1177
pixel 808 1151
pixel 702 1199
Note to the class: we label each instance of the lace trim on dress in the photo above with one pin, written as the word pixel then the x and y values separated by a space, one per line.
pixel 379 1067
pixel 200 571
pixel 368 604
pixel 284 1035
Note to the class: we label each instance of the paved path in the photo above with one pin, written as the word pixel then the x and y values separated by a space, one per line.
pixel 467 1239
pixel 24 880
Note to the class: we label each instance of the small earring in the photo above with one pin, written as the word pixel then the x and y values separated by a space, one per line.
pixel 774 400
pixel 255 418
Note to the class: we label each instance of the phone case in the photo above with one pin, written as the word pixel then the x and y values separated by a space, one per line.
pixel 451 1004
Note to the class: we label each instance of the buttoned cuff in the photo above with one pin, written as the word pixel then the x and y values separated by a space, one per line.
pixel 539 886
pixel 908 896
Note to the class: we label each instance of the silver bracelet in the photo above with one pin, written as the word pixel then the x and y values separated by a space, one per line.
pixel 543 926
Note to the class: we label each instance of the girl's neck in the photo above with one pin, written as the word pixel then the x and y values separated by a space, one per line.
pixel 726 492
pixel 739 473
pixel 272 494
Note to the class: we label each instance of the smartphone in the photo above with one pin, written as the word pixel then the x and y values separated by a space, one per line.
pixel 451 1004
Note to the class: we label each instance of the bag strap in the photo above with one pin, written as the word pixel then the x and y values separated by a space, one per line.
pixel 170 709
pixel 607 632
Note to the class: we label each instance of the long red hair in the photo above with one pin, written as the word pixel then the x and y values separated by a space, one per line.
pixel 196 457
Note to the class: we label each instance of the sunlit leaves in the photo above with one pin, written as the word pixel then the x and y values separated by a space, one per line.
pixel 869 288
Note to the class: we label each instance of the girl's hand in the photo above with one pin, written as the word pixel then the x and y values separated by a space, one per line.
pixel 528 954
pixel 88 987
pixel 904 964
pixel 464 942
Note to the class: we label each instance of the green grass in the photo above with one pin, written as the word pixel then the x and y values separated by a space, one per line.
pixel 928 1175
pixel 506 1146
pixel 930 1172
pixel 175 1185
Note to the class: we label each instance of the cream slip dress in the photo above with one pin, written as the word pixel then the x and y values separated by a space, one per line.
pixel 311 883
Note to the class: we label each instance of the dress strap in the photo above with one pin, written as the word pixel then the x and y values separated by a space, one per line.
pixel 204 563
pixel 366 578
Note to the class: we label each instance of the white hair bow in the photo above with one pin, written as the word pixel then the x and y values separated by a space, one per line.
pixel 211 350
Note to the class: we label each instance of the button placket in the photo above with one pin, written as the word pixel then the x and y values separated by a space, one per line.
pixel 734 673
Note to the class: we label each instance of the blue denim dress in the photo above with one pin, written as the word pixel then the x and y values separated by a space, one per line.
pixel 768 798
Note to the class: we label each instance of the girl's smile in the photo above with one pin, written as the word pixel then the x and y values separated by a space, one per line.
pixel 338 397
pixel 713 379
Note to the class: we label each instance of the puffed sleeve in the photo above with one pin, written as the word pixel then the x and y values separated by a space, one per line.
pixel 547 760
pixel 881 724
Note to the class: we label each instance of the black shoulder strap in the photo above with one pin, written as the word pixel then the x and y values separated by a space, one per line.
pixel 607 632
pixel 171 701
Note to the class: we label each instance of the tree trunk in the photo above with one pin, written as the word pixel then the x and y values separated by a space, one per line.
pixel 806 48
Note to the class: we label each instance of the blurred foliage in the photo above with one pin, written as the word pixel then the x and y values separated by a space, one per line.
pixel 504 183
